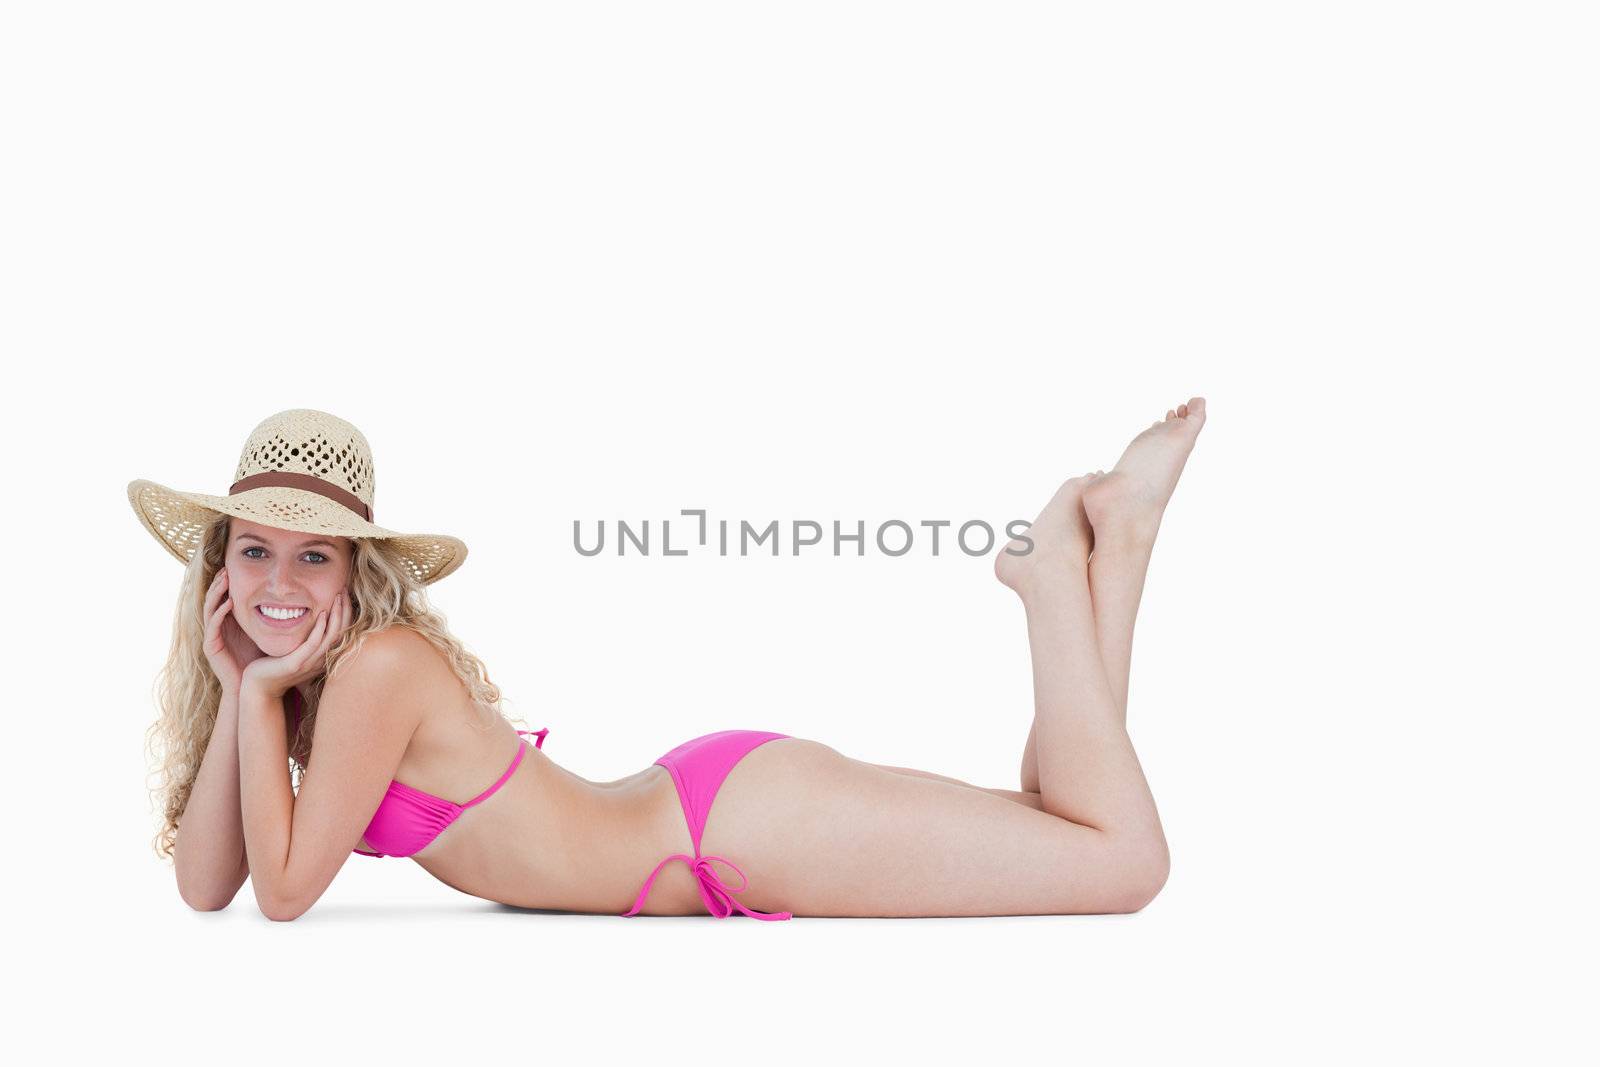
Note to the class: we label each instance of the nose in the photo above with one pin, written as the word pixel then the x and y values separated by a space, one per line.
pixel 276 588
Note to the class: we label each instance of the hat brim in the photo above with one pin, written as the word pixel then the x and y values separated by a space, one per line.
pixel 178 520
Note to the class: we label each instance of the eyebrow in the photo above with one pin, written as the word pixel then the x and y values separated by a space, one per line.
pixel 303 544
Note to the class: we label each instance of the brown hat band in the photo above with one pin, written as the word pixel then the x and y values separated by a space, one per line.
pixel 311 484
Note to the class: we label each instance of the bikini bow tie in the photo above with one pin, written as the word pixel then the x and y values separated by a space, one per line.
pixel 718 895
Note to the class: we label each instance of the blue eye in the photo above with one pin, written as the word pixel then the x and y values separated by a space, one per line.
pixel 257 548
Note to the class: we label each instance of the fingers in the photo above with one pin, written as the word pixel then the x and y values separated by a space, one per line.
pixel 328 622
pixel 218 605
pixel 331 623
pixel 325 632
pixel 338 619
pixel 214 590
pixel 214 626
pixel 310 649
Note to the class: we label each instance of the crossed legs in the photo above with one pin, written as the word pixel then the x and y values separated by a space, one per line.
pixel 1116 584
pixel 1080 586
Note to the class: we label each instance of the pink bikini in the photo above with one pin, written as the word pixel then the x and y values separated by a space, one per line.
pixel 698 768
pixel 408 819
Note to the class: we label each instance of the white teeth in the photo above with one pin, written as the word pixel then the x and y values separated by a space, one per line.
pixel 278 613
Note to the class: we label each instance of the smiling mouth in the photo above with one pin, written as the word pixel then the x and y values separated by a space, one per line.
pixel 282 618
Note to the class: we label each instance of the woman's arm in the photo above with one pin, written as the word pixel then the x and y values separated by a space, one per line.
pixel 209 850
pixel 366 718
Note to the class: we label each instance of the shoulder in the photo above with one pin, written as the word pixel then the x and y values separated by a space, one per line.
pixel 390 681
pixel 395 646
pixel 396 659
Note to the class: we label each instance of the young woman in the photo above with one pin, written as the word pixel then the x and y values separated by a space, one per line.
pixel 300 620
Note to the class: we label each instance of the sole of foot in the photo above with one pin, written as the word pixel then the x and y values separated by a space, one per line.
pixel 1125 504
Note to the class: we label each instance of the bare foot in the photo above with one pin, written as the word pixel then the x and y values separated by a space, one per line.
pixel 1060 537
pixel 1125 504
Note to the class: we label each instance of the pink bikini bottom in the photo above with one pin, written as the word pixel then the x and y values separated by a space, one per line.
pixel 698 768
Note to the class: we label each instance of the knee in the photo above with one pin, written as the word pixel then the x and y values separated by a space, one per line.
pixel 1146 874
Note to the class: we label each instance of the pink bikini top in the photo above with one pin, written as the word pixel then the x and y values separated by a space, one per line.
pixel 408 819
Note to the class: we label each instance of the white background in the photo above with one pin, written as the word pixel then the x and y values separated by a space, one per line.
pixel 854 261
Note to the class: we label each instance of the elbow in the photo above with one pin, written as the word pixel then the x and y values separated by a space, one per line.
pixel 281 909
pixel 282 912
pixel 214 897
pixel 204 903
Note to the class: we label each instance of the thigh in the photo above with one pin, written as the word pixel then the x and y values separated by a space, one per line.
pixel 818 833
pixel 1017 796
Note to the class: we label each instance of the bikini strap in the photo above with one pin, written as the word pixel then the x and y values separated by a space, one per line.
pixel 487 793
pixel 539 733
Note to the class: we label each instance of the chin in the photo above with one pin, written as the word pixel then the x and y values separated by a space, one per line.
pixel 276 642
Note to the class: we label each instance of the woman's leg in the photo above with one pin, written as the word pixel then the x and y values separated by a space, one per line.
pixel 1124 508
pixel 1028 799
pixel 859 840
pixel 1116 584
pixel 1088 772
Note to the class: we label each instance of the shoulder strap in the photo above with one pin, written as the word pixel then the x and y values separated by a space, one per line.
pixel 487 793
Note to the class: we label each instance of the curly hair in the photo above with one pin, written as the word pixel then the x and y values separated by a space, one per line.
pixel 383 593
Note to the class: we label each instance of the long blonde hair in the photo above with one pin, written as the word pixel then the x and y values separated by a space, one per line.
pixel 383 593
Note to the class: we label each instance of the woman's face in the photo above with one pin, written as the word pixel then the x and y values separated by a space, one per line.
pixel 273 568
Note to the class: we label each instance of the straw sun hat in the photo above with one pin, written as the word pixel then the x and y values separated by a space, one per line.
pixel 300 470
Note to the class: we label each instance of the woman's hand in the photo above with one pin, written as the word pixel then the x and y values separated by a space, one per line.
pixel 227 648
pixel 273 676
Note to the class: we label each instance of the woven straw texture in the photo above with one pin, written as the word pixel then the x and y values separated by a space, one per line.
pixel 298 441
